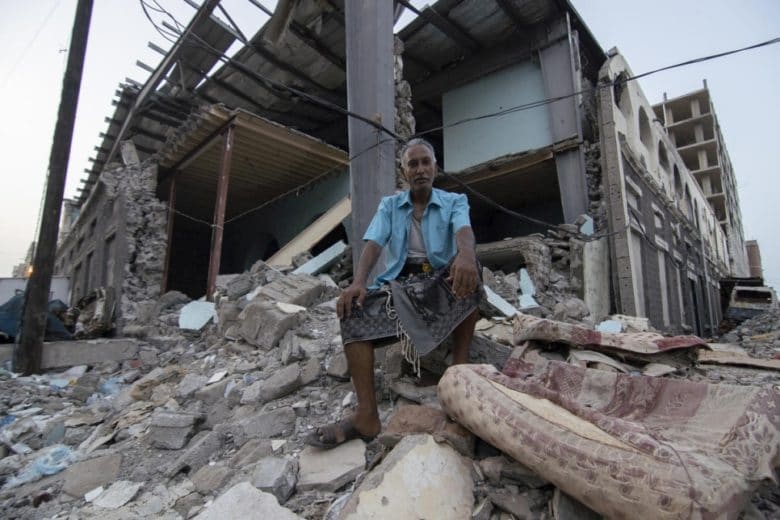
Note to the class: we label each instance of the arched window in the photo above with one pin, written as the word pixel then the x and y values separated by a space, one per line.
pixel 663 158
pixel 678 191
pixel 644 130
pixel 688 203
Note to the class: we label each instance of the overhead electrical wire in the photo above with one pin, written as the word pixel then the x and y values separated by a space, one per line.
pixel 221 56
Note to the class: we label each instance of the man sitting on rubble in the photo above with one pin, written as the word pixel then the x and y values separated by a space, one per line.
pixel 429 288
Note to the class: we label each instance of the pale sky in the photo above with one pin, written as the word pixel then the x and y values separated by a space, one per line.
pixel 744 88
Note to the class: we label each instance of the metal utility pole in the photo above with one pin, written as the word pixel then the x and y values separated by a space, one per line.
pixel 29 348
pixel 370 93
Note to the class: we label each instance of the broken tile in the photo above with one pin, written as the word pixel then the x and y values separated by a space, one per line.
pixel 195 315
pixel 210 478
pixel 328 470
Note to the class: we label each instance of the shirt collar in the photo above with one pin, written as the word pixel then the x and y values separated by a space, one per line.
pixel 406 200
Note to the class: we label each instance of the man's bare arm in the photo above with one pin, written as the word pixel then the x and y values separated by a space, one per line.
pixel 463 273
pixel 357 290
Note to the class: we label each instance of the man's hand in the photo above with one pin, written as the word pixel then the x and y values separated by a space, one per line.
pixel 463 274
pixel 344 304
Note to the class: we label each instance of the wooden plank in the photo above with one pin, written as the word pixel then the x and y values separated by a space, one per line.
pixel 728 358
pixel 307 238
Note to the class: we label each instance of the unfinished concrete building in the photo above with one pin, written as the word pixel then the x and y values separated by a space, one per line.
pixel 203 174
pixel 693 127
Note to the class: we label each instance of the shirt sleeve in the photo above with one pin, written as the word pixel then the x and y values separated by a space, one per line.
pixel 380 227
pixel 460 213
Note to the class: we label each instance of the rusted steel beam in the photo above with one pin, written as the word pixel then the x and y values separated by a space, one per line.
pixel 219 212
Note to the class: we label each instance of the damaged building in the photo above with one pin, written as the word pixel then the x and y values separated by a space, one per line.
pixel 201 173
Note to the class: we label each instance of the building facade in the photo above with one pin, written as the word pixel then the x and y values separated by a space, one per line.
pixel 520 103
pixel 693 128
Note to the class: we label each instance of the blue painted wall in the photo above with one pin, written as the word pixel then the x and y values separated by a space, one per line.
pixel 478 141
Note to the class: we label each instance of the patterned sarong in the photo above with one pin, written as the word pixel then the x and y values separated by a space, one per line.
pixel 420 309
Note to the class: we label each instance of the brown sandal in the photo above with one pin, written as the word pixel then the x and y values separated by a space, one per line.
pixel 335 434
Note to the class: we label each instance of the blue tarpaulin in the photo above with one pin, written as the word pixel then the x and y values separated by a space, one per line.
pixel 11 317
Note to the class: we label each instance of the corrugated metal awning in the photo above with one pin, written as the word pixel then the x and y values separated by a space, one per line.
pixel 269 160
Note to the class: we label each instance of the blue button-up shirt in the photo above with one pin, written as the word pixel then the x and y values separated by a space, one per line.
pixel 445 214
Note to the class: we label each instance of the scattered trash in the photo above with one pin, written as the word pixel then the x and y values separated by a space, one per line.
pixel 56 459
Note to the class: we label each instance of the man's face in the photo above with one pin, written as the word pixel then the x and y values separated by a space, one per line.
pixel 419 168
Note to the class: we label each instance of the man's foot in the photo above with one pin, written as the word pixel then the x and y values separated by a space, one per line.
pixel 340 432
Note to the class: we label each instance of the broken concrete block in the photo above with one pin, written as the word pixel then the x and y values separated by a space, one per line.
pixel 82 352
pixel 572 308
pixel 196 454
pixel 211 478
pixel 276 475
pixel 299 289
pixel 244 501
pixel 143 388
pixel 418 479
pixel 275 423
pixel 120 493
pixel 263 324
pixel 227 315
pixel 251 452
pixel 338 367
pixel 310 371
pixel 195 315
pixel 281 383
pixel 291 348
pixel 500 304
pixel 189 384
pixel 171 430
pixel 210 394
pixel 86 475
pixel 239 286
pixel 414 419
pixel 328 470
pixel 324 260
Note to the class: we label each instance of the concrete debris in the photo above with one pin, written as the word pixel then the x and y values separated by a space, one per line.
pixel 419 479
pixel 210 422
pixel 85 476
pixel 329 470
pixel 120 493
pixel 276 475
pixel 244 501
pixel 195 315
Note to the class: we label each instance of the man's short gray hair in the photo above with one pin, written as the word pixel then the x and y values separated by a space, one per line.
pixel 417 141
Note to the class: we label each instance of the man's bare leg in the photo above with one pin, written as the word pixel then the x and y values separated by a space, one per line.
pixel 360 358
pixel 461 338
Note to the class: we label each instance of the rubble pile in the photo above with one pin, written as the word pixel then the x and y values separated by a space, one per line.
pixel 208 419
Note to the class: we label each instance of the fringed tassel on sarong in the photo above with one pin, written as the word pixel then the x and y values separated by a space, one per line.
pixel 407 347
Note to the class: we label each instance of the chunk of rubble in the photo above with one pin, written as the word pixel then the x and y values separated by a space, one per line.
pixel 418 479
pixel 244 501
pixel 329 470
pixel 120 493
pixel 195 315
pixel 276 475
pixel 84 476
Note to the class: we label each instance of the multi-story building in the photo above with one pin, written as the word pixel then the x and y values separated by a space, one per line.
pixel 693 127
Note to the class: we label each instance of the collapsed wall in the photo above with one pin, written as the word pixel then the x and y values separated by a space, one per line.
pixel 144 234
